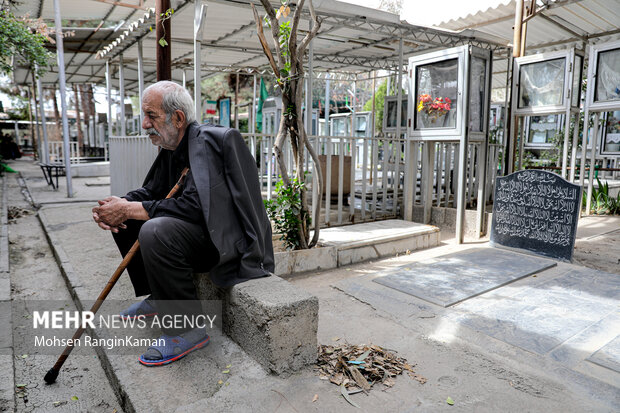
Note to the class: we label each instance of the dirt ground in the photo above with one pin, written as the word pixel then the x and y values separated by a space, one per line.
pixel 601 253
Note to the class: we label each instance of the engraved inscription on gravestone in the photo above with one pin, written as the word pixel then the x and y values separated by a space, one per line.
pixel 537 211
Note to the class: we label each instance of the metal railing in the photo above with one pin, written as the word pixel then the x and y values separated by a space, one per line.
pixel 364 178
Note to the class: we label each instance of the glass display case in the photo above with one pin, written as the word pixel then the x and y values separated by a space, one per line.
pixel 390 108
pixel 542 83
pixel 611 133
pixel 541 130
pixel 607 76
pixel 448 89
pixel 547 83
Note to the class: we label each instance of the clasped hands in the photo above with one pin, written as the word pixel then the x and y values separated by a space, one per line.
pixel 111 213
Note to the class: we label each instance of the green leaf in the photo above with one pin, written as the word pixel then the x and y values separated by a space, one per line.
pixel 74 398
pixel 226 371
pixel 20 386
pixel 24 356
pixel 163 42
pixel 450 401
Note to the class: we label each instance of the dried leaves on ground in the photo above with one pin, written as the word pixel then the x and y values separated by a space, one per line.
pixel 358 368
pixel 14 213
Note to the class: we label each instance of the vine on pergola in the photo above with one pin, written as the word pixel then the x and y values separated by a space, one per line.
pixel 288 69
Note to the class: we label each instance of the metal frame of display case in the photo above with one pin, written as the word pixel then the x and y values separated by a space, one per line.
pixel 460 132
pixel 597 107
pixel 569 105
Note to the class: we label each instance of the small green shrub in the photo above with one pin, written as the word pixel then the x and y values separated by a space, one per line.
pixel 284 210
pixel 602 203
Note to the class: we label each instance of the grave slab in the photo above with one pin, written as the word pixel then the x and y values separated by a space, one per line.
pixel 542 317
pixel 608 356
pixel 453 278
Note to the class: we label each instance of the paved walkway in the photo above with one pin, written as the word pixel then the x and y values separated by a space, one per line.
pixel 547 342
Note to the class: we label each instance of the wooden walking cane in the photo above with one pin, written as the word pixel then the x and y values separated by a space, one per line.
pixel 52 374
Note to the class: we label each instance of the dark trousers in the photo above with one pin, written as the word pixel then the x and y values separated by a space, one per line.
pixel 170 251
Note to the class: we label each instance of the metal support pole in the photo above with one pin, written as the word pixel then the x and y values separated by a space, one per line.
pixel 565 145
pixel 237 101
pixel 573 155
pixel 16 127
pixel 63 87
pixel 584 146
pixel 592 162
pixel 399 110
pixel 184 81
pixel 483 159
pixel 163 31
pixel 121 90
pixel 140 81
pixel 45 155
pixel 426 187
pixel 200 15
pixel 108 90
pixel 463 148
pixel 516 42
pixel 36 122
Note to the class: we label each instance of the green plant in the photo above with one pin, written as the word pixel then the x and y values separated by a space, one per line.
pixel 602 202
pixel 285 210
pixel 287 63
pixel 18 39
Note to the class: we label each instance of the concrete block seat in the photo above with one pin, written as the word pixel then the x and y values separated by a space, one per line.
pixel 273 321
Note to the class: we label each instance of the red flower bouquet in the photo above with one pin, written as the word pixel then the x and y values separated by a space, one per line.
pixel 435 108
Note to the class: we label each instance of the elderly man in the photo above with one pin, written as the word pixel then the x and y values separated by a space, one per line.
pixel 216 221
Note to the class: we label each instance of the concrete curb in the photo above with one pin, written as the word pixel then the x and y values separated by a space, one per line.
pixel 7 387
pixel 118 375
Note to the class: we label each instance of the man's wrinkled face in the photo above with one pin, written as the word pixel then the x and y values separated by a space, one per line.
pixel 157 125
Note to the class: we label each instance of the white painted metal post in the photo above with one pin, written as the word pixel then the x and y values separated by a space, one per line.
pixel 463 147
pixel 592 162
pixel 426 186
pixel 121 89
pixel 140 82
pixel 200 15
pixel 573 155
pixel 63 99
pixel 483 158
pixel 584 146
pixel 44 145
pixel 399 109
pixel 108 90
pixel 16 133
pixel 565 145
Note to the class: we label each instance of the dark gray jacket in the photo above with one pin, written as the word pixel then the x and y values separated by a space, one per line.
pixel 226 178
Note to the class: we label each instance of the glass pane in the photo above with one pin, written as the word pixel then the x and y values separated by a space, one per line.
pixel 608 76
pixel 390 121
pixel 476 98
pixel 543 128
pixel 436 95
pixel 612 132
pixel 574 101
pixel 360 123
pixel 542 83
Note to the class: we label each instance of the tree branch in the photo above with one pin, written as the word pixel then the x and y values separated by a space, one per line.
pixel 275 31
pixel 312 33
pixel 263 43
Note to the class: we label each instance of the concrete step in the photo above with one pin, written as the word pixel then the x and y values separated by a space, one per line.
pixel 371 240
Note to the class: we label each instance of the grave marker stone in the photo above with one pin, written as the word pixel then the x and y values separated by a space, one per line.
pixel 536 211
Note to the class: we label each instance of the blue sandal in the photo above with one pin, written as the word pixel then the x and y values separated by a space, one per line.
pixel 174 348
pixel 141 309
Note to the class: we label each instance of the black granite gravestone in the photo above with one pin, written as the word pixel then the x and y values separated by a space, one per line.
pixel 537 211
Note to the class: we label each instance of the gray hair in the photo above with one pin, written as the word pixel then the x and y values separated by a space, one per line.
pixel 174 97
